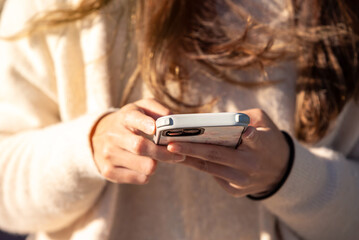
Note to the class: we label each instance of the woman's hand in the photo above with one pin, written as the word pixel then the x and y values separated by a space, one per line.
pixel 122 152
pixel 256 166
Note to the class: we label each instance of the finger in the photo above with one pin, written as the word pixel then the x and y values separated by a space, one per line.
pixel 250 138
pixel 142 146
pixel 236 192
pixel 122 158
pixel 134 118
pixel 213 153
pixel 153 108
pixel 257 117
pixel 216 170
pixel 123 175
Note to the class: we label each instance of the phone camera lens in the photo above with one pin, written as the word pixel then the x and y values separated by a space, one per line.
pixel 174 133
pixel 192 131
pixel 183 132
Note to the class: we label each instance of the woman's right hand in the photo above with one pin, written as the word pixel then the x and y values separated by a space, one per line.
pixel 122 151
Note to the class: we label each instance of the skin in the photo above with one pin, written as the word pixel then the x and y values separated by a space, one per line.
pixel 124 153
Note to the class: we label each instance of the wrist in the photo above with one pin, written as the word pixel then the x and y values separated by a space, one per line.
pixel 95 129
pixel 267 194
pixel 96 126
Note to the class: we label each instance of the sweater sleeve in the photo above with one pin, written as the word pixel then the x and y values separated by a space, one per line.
pixel 48 178
pixel 320 198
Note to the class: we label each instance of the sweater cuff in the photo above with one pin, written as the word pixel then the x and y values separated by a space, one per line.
pixel 85 162
pixel 84 127
pixel 302 184
pixel 93 129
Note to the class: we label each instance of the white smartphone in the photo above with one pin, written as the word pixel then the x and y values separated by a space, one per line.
pixel 213 128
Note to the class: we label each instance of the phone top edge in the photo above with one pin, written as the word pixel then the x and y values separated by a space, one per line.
pixel 164 121
pixel 203 119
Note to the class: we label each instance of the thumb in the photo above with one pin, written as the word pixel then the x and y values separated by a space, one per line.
pixel 153 108
pixel 250 137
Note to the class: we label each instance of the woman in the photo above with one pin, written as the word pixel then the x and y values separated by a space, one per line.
pixel 82 84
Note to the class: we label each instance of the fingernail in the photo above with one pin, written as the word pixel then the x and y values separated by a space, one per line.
pixel 174 148
pixel 150 127
pixel 249 133
pixel 181 158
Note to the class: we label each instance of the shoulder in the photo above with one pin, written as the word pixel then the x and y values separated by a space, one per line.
pixel 343 135
pixel 16 13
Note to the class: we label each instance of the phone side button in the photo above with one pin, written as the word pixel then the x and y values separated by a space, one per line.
pixel 242 118
pixel 164 122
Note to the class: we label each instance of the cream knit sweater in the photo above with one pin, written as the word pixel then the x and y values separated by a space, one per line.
pixel 53 88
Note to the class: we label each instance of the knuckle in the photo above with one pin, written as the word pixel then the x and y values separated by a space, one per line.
pixel 166 111
pixel 128 116
pixel 142 179
pixel 139 146
pixel 238 193
pixel 107 153
pixel 235 192
pixel 107 171
pixel 149 167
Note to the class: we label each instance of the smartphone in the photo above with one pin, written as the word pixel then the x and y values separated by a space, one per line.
pixel 213 128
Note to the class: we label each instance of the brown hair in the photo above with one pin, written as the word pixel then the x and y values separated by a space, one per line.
pixel 192 32
pixel 324 36
pixel 328 69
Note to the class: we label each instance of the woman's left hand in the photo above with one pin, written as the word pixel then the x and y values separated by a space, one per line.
pixel 255 167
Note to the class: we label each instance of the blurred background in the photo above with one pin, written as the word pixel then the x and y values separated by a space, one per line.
pixel 3 235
